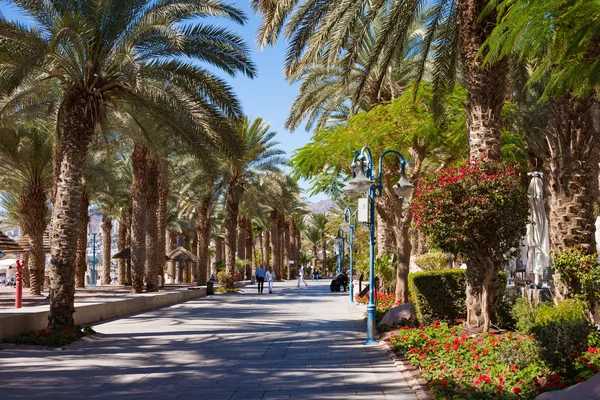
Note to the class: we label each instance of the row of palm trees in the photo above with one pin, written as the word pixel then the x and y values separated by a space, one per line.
pixel 110 106
pixel 352 56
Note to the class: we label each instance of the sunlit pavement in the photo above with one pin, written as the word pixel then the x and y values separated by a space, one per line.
pixel 297 343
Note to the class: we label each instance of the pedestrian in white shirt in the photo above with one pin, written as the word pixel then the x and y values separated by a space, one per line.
pixel 301 277
pixel 270 276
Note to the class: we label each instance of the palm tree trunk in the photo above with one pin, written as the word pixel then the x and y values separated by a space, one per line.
pixel 485 86
pixel 78 129
pixel 314 250
pixel 171 245
pixel 231 214
pixel 162 229
pixel 298 247
pixel 82 241
pixel 26 277
pixel 249 247
pixel 121 244
pixel 106 247
pixel 194 250
pixel 281 229
pixel 184 267
pixel 219 250
pixel 34 212
pixel 153 251
pixel 292 246
pixel 203 244
pixel 573 173
pixel 324 250
pixel 267 248
pixel 275 241
pixel 128 280
pixel 138 216
pixel 261 248
pixel 241 241
pixel 287 249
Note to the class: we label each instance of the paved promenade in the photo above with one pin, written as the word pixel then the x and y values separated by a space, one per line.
pixel 298 343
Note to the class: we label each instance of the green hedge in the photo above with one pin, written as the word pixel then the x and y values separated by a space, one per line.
pixel 561 331
pixel 441 295
pixel 438 295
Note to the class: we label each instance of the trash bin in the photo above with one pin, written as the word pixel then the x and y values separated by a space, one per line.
pixel 210 287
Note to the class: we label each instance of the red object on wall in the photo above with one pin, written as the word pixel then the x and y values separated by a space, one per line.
pixel 19 283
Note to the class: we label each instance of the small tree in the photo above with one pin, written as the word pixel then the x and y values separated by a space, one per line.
pixel 478 210
pixel 579 272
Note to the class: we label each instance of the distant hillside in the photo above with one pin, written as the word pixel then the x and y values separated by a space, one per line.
pixel 321 206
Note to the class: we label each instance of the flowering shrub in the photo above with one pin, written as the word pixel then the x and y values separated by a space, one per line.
pixel 580 271
pixel 481 203
pixel 480 211
pixel 485 366
pixel 383 301
pixel 50 338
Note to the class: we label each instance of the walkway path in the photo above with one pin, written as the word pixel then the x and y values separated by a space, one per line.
pixel 298 343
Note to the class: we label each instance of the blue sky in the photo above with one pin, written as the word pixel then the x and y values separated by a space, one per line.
pixel 268 95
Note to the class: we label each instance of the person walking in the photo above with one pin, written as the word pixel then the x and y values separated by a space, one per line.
pixel 270 276
pixel 301 277
pixel 260 278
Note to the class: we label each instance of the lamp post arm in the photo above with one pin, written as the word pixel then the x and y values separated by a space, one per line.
pixel 402 164
pixel 365 152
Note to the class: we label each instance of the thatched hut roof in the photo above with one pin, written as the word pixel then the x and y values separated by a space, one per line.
pixel 23 241
pixel 181 254
pixel 9 246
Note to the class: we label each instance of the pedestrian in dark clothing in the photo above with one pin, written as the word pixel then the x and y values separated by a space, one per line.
pixel 260 278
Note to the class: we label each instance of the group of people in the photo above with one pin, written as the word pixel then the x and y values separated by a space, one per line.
pixel 269 276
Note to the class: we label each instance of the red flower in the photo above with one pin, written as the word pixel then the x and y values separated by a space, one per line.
pixel 443 383
pixel 513 367
pixel 593 350
pixel 516 390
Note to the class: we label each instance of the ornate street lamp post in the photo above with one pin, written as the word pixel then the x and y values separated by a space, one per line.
pixel 367 180
pixel 349 226
pixel 340 240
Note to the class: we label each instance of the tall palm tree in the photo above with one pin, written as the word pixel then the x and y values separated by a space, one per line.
pixel 26 175
pixel 313 235
pixel 454 32
pixel 256 157
pixel 117 55
pixel 319 220
pixel 560 52
pixel 328 94
pixel 197 189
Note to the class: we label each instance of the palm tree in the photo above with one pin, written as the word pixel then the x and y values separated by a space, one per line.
pixel 329 94
pixel 256 157
pixel 118 56
pixel 319 220
pixel 197 188
pixel 26 175
pixel 313 235
pixel 560 53
pixel 326 31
